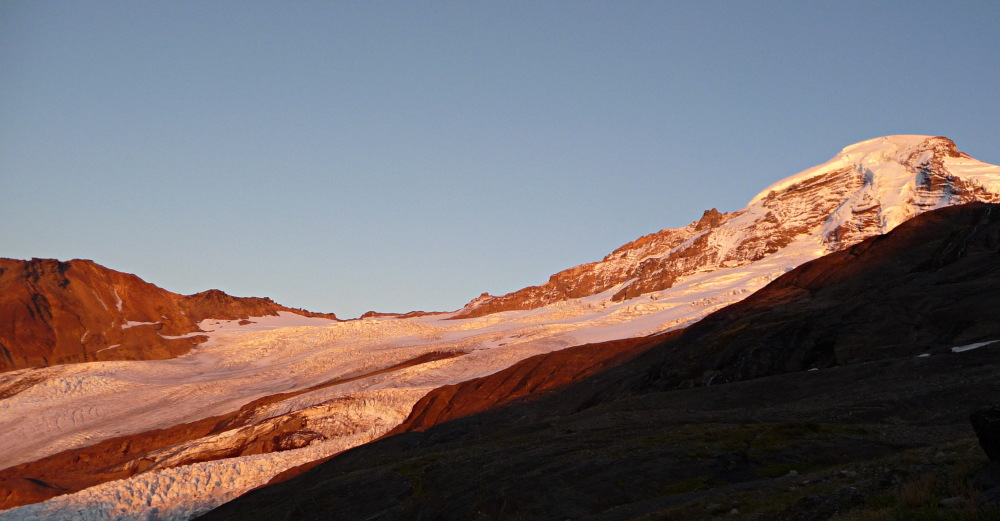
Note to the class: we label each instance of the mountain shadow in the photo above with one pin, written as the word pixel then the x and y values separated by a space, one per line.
pixel 841 381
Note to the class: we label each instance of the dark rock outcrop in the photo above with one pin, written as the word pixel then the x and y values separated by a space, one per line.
pixel 986 423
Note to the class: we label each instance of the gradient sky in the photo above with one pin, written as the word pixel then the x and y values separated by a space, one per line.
pixel 347 156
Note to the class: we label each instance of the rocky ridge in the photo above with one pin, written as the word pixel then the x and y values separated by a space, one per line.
pixel 56 312
pixel 866 190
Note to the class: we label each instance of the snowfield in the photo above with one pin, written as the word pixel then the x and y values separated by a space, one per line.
pixel 358 379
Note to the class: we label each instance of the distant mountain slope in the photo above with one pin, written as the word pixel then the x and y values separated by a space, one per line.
pixel 292 396
pixel 632 441
pixel 54 312
pixel 866 190
pixel 931 284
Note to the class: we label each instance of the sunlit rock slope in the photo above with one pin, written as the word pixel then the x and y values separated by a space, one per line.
pixel 54 312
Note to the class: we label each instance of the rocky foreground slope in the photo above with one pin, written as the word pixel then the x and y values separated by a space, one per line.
pixel 54 312
pixel 840 364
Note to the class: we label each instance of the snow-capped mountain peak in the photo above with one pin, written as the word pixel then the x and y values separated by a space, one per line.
pixel 888 180
pixel 867 189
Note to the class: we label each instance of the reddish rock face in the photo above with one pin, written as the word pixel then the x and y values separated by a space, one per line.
pixel 410 314
pixel 527 379
pixel 625 263
pixel 54 312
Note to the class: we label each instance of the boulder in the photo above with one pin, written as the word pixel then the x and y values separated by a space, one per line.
pixel 986 423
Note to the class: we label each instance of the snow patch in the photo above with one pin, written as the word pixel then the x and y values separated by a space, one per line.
pixel 134 323
pixel 970 347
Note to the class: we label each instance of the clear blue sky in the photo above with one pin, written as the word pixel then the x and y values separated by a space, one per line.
pixel 347 156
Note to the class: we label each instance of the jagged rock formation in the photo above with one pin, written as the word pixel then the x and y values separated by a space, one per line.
pixel 54 312
pixel 409 314
pixel 866 190
pixel 986 423
pixel 640 260
pixel 635 441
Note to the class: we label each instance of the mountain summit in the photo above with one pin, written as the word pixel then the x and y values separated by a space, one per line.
pixel 866 190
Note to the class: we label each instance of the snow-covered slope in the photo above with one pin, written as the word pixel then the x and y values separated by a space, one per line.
pixel 346 383
pixel 867 189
